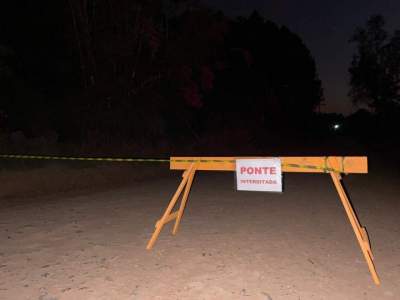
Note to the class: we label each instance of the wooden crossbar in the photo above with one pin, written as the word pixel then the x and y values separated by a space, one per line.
pixel 317 164
pixel 334 165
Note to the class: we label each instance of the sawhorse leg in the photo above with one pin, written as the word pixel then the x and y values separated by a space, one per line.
pixel 360 232
pixel 186 183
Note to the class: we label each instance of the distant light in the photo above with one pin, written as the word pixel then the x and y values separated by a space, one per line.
pixel 336 126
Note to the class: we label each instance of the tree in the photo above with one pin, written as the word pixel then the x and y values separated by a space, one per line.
pixel 375 67
pixel 269 77
pixel 109 71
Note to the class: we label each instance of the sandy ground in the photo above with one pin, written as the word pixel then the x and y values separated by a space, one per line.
pixel 231 245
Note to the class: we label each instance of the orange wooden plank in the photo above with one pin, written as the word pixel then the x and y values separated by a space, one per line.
pixel 316 164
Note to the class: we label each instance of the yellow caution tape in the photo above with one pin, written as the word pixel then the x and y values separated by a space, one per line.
pixel 325 168
pixel 109 159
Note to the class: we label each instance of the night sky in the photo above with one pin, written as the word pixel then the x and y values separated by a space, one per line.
pixel 326 27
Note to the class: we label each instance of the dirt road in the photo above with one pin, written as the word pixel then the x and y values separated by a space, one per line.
pixel 231 245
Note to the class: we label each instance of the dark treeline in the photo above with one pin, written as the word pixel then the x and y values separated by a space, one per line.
pixel 375 83
pixel 150 72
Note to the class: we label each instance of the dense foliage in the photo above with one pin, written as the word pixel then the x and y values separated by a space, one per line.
pixel 150 71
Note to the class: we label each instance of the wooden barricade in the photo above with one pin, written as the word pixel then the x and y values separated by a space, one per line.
pixel 334 165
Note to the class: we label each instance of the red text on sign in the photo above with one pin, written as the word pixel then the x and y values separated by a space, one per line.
pixel 258 170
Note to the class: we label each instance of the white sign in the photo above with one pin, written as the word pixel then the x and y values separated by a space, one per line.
pixel 259 174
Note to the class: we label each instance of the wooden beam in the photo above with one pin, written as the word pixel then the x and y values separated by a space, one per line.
pixel 316 164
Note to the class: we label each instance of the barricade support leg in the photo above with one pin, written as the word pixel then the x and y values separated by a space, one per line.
pixel 360 232
pixel 168 216
pixel 184 199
